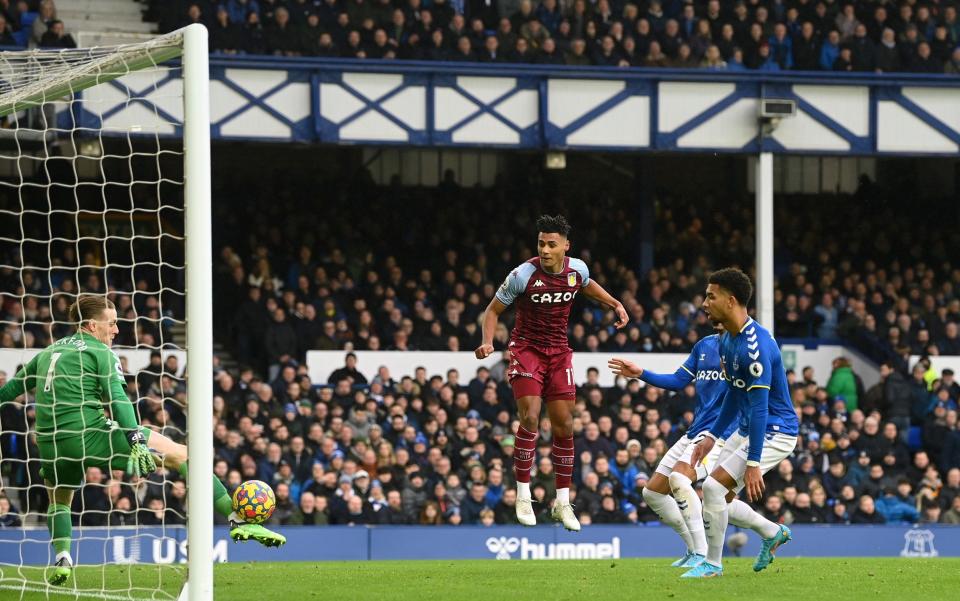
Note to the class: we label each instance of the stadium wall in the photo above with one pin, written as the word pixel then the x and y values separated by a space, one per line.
pixel 940 362
pixel 795 356
pixel 348 543
pixel 335 101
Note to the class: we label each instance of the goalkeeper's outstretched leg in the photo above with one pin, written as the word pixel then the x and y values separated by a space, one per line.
pixel 63 474
pixel 175 457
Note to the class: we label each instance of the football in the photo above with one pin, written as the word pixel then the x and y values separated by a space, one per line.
pixel 254 501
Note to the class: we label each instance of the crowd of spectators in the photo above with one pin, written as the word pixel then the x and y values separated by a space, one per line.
pixel 373 447
pixel 308 285
pixel 368 446
pixel 32 24
pixel 769 35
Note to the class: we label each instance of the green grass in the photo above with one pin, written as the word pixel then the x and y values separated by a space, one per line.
pixel 598 580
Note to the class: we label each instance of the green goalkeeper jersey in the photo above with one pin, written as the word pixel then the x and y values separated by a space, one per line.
pixel 72 379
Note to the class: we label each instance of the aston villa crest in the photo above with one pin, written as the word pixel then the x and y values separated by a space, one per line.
pixel 571 279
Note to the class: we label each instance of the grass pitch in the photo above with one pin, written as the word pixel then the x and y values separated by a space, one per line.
pixel 595 580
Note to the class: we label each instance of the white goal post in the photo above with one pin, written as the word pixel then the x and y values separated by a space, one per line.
pixel 41 82
pixel 199 257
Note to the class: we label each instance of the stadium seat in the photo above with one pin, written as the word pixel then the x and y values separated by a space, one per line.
pixel 26 21
pixel 915 438
pixel 21 37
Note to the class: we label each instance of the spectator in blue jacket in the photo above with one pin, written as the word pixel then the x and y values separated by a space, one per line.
pixel 836 478
pixel 549 15
pixel 736 61
pixel 9 518
pixel 495 487
pixel 475 502
pixel 766 61
pixel 624 470
pixel 895 510
pixel 830 50
pixel 239 9
pixel 781 47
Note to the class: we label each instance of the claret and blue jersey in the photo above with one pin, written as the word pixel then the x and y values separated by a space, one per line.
pixel 702 367
pixel 757 387
pixel 543 301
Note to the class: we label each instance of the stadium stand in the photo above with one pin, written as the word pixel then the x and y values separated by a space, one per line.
pixel 826 35
pixel 435 448
pixel 32 24
pixel 433 294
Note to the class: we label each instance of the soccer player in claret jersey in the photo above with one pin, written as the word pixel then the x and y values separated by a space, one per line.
pixel 676 472
pixel 757 391
pixel 73 378
pixel 541 362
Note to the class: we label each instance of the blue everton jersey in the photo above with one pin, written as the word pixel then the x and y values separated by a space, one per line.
pixel 703 365
pixel 751 359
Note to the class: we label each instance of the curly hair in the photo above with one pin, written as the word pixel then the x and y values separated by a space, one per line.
pixel 553 224
pixel 734 281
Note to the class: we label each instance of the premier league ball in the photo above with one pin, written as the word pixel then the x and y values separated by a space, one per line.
pixel 254 501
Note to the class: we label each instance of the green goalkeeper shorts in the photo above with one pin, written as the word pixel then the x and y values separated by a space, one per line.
pixel 64 462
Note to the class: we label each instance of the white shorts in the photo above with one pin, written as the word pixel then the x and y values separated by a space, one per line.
pixel 712 457
pixel 675 454
pixel 776 448
pixel 725 448
pixel 682 451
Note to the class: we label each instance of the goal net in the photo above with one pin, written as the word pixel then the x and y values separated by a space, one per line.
pixel 104 189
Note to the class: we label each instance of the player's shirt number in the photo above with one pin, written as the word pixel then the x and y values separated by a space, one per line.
pixel 48 383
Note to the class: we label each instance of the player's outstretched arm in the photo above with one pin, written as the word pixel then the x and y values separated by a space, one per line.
pixel 629 369
pixel 622 367
pixel 22 381
pixel 596 292
pixel 490 318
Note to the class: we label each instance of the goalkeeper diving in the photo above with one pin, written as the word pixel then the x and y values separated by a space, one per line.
pixel 73 379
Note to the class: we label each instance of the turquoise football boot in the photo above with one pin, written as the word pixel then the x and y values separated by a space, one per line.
pixel 689 560
pixel 704 570
pixel 770 546
pixel 694 560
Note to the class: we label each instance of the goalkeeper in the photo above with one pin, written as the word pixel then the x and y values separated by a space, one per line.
pixel 72 379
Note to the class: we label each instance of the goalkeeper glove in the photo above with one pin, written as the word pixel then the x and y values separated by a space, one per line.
pixel 140 462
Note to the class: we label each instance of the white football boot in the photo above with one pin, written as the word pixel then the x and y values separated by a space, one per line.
pixel 525 514
pixel 563 513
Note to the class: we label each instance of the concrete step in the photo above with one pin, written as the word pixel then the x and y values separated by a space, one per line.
pixel 118 6
pixel 101 16
pixel 93 19
pixel 87 39
pixel 72 26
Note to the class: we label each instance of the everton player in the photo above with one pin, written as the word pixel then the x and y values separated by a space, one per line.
pixel 541 366
pixel 757 392
pixel 676 472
